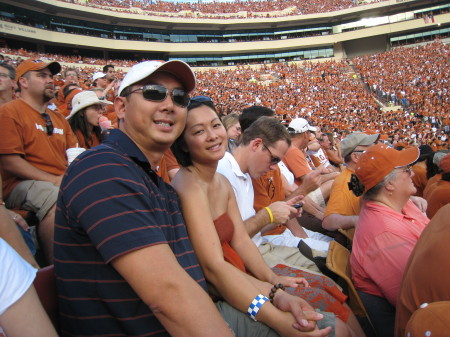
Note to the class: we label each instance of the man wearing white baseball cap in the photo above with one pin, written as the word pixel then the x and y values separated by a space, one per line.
pixel 121 243
pixel 296 161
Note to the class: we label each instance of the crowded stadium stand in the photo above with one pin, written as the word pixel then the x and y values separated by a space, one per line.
pixel 383 64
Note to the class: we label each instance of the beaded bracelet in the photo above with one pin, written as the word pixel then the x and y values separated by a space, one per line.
pixel 274 290
pixel 256 305
pixel 270 214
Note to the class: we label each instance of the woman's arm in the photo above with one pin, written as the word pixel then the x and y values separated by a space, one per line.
pixel 248 251
pixel 27 317
pixel 233 284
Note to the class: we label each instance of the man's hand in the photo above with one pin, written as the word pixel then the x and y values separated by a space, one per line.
pixel 312 180
pixel 282 211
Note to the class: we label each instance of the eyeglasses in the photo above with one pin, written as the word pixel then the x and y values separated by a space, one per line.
pixel 273 159
pixel 407 169
pixel 158 93
pixel 48 123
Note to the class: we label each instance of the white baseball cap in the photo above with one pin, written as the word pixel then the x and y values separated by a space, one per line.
pixel 83 100
pixel 177 68
pixel 300 125
pixel 97 75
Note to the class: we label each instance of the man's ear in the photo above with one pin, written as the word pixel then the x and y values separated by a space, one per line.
pixel 119 106
pixel 255 143
pixel 23 82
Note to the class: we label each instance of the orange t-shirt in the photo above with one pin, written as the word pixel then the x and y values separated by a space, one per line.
pixel 268 189
pixel 439 197
pixel 431 184
pixel 93 141
pixel 342 201
pixel 168 162
pixel 419 179
pixel 295 160
pixel 23 132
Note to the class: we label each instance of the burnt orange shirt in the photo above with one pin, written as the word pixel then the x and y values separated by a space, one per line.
pixel 420 178
pixel 23 132
pixel 430 185
pixel 168 162
pixel 439 197
pixel 92 141
pixel 295 160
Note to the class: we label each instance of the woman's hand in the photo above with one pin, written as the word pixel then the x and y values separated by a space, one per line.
pixel 304 314
pixel 289 281
pixel 18 219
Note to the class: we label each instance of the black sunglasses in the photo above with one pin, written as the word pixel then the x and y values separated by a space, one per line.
pixel 273 160
pixel 158 93
pixel 48 123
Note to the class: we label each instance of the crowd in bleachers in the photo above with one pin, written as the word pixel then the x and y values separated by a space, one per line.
pixel 397 99
pixel 332 94
pixel 253 8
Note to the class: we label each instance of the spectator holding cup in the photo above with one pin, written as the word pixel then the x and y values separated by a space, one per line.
pixel 87 109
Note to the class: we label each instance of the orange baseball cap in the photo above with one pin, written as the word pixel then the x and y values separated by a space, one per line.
pixel 34 65
pixel 379 160
pixel 429 320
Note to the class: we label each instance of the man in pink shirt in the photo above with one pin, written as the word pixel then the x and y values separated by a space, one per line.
pixel 388 228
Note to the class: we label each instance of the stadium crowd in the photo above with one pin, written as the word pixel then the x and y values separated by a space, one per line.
pixel 385 119
pixel 253 8
pixel 339 96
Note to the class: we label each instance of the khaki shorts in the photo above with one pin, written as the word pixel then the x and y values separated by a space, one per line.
pixel 244 326
pixel 317 197
pixel 33 195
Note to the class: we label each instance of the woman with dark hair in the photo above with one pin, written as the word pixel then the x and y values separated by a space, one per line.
pixel 420 168
pixel 230 260
pixel 388 228
pixel 87 108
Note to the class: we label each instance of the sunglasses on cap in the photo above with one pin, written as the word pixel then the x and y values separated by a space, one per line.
pixel 158 93
pixel 201 99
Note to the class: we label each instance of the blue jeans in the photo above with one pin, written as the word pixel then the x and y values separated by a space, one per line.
pixel 28 238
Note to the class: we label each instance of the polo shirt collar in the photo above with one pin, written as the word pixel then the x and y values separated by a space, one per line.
pixel 235 166
pixel 130 149
pixel 126 145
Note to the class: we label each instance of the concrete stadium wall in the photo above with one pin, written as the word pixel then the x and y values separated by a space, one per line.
pixel 351 40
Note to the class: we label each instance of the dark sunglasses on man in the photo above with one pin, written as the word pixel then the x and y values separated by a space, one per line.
pixel 158 93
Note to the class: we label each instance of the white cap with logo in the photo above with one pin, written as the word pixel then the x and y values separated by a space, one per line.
pixel 300 125
pixel 177 68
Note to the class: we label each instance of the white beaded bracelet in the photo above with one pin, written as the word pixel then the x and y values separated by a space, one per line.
pixel 256 305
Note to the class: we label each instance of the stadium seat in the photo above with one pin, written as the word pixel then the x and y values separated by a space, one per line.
pixel 45 284
pixel 338 262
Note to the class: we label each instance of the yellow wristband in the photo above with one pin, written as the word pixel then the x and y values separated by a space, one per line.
pixel 270 214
